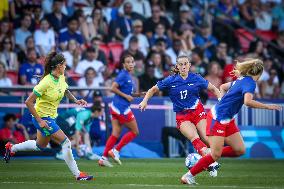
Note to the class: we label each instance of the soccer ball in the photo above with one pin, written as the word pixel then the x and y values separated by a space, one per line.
pixel 82 150
pixel 191 160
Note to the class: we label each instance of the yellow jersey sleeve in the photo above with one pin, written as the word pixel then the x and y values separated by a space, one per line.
pixel 41 87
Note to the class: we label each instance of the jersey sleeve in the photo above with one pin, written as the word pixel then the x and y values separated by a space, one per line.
pixel 41 87
pixel 248 87
pixel 203 82
pixel 120 79
pixel 165 83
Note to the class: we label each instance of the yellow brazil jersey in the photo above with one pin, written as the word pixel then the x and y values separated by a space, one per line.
pixel 49 92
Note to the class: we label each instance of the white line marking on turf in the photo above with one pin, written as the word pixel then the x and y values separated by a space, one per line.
pixel 144 185
pixel 39 183
pixel 206 186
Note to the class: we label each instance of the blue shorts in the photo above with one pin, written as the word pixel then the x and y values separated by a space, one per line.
pixel 51 123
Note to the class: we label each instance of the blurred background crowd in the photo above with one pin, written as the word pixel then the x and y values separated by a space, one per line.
pixel 94 34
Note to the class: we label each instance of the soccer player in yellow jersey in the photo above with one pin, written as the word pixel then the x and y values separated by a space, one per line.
pixel 48 94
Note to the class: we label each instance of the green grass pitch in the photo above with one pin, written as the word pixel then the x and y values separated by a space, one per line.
pixel 140 173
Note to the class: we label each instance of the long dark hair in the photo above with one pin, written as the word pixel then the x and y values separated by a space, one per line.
pixel 51 61
pixel 124 57
pixel 122 60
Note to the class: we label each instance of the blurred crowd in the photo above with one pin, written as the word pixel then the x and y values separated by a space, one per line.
pixel 93 35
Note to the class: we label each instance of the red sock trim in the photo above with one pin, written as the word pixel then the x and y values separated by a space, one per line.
pixel 202 164
pixel 109 145
pixel 228 152
pixel 128 137
pixel 198 145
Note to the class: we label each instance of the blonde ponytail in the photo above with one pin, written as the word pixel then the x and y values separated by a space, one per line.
pixel 249 67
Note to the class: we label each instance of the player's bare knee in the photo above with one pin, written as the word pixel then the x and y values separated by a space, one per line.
pixel 116 133
pixel 240 151
pixel 216 154
pixel 136 132
pixel 41 147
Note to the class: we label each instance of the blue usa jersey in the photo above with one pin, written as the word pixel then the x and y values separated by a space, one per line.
pixel 184 93
pixel 231 103
pixel 126 86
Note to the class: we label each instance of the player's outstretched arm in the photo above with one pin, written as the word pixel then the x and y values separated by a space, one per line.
pixel 214 90
pixel 248 101
pixel 71 97
pixel 140 94
pixel 148 95
pixel 224 88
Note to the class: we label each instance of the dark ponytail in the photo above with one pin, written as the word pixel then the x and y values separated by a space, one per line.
pixel 51 61
pixel 174 69
pixel 124 57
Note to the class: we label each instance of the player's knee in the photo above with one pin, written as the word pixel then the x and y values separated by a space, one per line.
pixel 240 151
pixel 115 134
pixel 136 132
pixel 41 147
pixel 66 144
pixel 216 154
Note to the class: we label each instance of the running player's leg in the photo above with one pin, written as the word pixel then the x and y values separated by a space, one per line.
pixel 189 130
pixel 236 146
pixel 130 135
pixel 201 128
pixel 116 130
pixel 43 138
pixel 59 136
pixel 216 144
pixel 32 145
pixel 29 145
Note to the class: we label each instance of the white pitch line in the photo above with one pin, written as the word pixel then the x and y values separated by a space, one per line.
pixel 205 186
pixel 144 185
pixel 7 182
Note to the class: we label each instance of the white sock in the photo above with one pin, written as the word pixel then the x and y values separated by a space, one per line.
pixel 29 145
pixel 68 157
